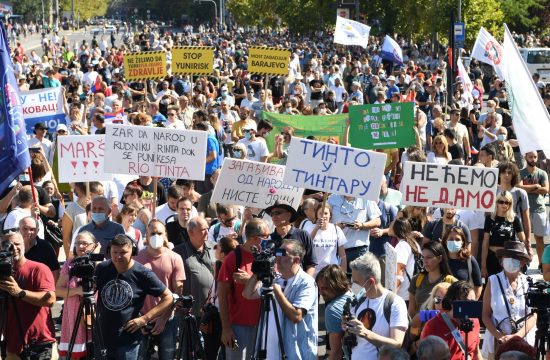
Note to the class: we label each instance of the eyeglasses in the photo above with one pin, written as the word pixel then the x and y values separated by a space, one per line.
pixel 437 300
pixel 247 130
pixel 171 114
pixel 285 133
pixel 503 202
pixel 84 243
pixel 61 132
pixel 157 233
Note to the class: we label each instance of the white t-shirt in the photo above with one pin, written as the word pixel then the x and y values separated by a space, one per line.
pixel 16 215
pixel 398 319
pixel 405 256
pixel 46 144
pixel 163 212
pixel 255 149
pixel 224 231
pixel 461 132
pixel 326 244
pixel 473 219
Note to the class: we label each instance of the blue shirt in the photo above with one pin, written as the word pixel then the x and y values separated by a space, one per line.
pixel 158 118
pixel 105 233
pixel 212 145
pixel 333 313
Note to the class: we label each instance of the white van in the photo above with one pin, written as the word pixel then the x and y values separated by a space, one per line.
pixel 538 61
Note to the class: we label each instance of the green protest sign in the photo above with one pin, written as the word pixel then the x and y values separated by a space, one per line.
pixel 382 126
pixel 320 126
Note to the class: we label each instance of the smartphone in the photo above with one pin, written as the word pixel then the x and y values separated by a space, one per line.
pixel 348 224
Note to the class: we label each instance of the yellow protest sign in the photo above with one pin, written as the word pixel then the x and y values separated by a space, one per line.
pixel 192 60
pixel 268 61
pixel 145 65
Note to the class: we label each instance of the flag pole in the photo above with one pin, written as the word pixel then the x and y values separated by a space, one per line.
pixel 155 189
pixel 32 190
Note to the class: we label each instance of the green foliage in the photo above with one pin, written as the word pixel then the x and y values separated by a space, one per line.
pixel 521 14
pixel 30 9
pixel 87 9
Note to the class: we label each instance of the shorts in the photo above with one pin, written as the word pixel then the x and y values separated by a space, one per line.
pixel 538 223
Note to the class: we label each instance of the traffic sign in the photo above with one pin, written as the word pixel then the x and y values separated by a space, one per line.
pixel 459 34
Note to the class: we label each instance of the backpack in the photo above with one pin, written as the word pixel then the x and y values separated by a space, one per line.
pixel 418 266
pixel 217 231
pixel 448 279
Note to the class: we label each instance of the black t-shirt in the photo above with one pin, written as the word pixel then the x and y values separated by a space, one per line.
pixel 303 237
pixel 256 78
pixel 121 297
pixel 175 233
pixel 459 269
pixel 277 86
pixel 433 230
pixel 501 230
pixel 137 86
pixel 44 253
pixel 316 95
pixel 456 151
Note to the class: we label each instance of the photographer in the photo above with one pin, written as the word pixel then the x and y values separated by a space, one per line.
pixel 122 285
pixel 296 296
pixel 71 290
pixel 333 286
pixel 460 290
pixel 380 317
pixel 28 310
pixel 168 267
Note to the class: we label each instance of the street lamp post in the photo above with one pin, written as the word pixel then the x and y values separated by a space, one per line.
pixel 215 6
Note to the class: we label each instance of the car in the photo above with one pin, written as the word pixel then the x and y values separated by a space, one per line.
pixel 537 61
pixel 107 29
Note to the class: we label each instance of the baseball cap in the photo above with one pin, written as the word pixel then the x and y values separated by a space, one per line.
pixel 250 125
pixel 61 127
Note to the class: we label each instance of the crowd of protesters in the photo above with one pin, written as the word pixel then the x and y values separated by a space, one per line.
pixel 193 246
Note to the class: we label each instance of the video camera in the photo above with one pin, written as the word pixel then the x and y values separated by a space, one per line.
pixel 350 340
pixel 83 267
pixel 6 260
pixel 185 301
pixel 263 265
pixel 538 294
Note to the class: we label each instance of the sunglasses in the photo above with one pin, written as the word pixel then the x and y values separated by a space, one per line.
pixel 157 233
pixel 503 202
pixel 437 300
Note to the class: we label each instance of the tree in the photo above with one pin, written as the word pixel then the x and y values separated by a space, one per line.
pixel 86 8
pixel 521 15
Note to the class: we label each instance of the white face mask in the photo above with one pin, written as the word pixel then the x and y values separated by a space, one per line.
pixel 156 241
pixel 359 289
pixel 511 266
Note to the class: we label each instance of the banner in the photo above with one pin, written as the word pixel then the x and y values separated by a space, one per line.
pixel 449 186
pixel 336 169
pixel 145 65
pixel 14 153
pixel 80 158
pixel 390 270
pixel 466 81
pixel 149 151
pixel 254 184
pixel 349 32
pixel 192 60
pixel 382 126
pixel 488 50
pixel 529 115
pixel 321 126
pixel 391 51
pixel 268 61
pixel 43 105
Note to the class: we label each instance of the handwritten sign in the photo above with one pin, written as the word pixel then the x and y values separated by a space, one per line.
pixel 148 151
pixel 270 61
pixel 254 184
pixel 382 126
pixel 390 271
pixel 192 60
pixel 145 65
pixel 449 186
pixel 43 105
pixel 336 169
pixel 81 158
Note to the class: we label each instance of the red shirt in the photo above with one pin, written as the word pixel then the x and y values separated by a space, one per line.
pixel 437 327
pixel 36 322
pixel 241 310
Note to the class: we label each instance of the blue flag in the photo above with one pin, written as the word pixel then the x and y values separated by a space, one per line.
pixel 14 153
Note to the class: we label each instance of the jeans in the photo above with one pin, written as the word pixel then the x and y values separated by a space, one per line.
pixel 354 253
pixel 245 336
pixel 124 352
pixel 166 342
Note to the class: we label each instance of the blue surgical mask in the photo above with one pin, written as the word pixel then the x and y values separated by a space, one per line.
pixel 99 217
pixel 454 246
pixel 247 135
pixel 501 137
pixel 511 265
pixel 237 154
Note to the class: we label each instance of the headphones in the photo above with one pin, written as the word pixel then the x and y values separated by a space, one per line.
pixel 132 242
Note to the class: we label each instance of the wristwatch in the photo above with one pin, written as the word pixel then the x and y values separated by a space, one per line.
pixel 21 294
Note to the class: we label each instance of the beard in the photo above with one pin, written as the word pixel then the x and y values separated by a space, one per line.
pixel 532 163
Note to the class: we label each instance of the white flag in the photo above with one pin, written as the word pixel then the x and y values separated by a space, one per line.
pixel 467 82
pixel 391 51
pixel 488 50
pixel 349 32
pixel 529 116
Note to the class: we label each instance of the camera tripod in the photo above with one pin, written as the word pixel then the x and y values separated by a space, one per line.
pixel 467 326
pixel 259 351
pixel 87 309
pixel 542 334
pixel 190 347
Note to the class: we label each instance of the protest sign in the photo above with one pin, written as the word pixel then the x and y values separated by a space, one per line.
pixel 322 127
pixel 145 65
pixel 149 151
pixel 268 61
pixel 382 126
pixel 254 184
pixel 390 270
pixel 449 186
pixel 81 157
pixel 336 169
pixel 192 60
pixel 43 105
